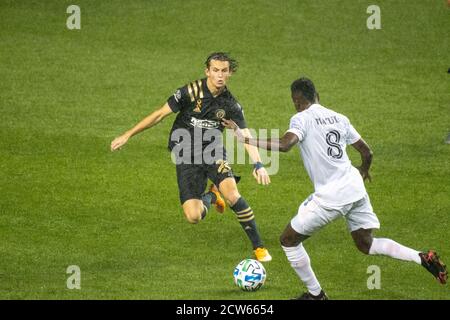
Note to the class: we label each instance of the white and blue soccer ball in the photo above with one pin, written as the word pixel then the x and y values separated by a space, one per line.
pixel 249 275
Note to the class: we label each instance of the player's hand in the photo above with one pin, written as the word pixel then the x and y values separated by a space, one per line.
pixel 119 142
pixel 261 176
pixel 230 124
pixel 365 174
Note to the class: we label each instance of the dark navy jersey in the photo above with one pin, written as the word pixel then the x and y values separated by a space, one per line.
pixel 197 108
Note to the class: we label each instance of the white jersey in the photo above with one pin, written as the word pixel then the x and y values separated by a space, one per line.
pixel 323 135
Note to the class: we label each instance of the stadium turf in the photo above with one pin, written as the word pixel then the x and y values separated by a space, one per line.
pixel 65 199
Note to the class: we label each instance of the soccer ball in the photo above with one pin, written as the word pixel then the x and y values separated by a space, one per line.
pixel 249 275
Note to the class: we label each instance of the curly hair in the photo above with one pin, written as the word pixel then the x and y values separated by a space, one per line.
pixel 305 87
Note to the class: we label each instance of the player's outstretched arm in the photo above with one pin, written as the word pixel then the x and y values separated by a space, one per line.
pixel 283 144
pixel 259 172
pixel 148 122
pixel 366 157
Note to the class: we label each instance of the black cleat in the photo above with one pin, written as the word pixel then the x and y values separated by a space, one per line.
pixel 309 296
pixel 431 262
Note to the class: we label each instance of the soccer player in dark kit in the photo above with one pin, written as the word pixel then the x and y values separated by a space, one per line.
pixel 196 145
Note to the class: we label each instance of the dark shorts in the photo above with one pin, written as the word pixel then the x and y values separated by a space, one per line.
pixel 193 178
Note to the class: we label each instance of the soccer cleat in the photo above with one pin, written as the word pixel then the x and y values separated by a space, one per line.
pixel 309 296
pixel 220 202
pixel 262 255
pixel 431 262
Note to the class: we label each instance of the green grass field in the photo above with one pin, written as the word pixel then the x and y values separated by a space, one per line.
pixel 65 199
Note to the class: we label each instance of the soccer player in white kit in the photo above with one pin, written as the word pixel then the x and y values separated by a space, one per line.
pixel 322 135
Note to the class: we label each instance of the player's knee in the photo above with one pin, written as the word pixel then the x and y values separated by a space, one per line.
pixel 193 219
pixel 364 245
pixel 232 197
pixel 288 240
pixel 285 241
pixel 363 240
pixel 193 216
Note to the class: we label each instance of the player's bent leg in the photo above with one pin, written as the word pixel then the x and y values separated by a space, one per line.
pixel 192 180
pixel 193 210
pixel 291 242
pixel 382 246
pixel 387 247
pixel 245 216
pixel 310 218
pixel 361 220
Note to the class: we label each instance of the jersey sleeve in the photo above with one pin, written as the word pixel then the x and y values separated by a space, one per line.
pixel 238 116
pixel 352 134
pixel 178 100
pixel 297 126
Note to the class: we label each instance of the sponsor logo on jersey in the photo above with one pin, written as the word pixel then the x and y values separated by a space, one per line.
pixel 205 124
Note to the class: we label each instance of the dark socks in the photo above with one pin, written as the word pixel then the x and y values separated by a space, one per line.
pixel 246 218
pixel 207 199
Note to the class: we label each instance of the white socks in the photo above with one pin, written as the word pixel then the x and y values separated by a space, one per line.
pixel 393 249
pixel 300 262
pixel 299 259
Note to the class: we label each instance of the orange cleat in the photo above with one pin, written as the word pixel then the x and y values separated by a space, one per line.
pixel 262 255
pixel 220 202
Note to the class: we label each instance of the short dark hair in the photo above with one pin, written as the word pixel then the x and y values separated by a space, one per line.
pixel 222 56
pixel 305 87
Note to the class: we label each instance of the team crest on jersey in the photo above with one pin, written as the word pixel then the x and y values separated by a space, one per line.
pixel 198 106
pixel 220 114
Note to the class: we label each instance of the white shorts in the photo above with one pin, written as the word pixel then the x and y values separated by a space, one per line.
pixel 312 216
